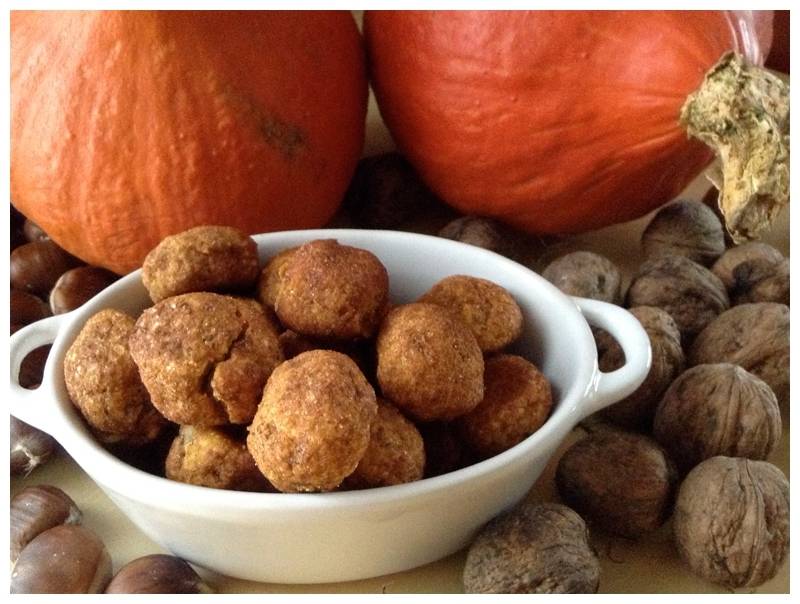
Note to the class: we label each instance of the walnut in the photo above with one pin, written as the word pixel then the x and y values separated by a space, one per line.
pixel 761 281
pixel 535 548
pixel 753 336
pixel 747 252
pixel 622 482
pixel 689 292
pixel 480 232
pixel 637 409
pixel 717 409
pixel 587 275
pixel 387 193
pixel 731 521
pixel 685 228
pixel 754 272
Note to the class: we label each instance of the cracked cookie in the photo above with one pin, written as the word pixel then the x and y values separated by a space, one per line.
pixel 204 358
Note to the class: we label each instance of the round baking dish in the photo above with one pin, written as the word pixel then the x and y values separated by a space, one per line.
pixel 342 536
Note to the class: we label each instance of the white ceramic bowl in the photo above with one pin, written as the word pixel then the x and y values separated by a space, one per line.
pixel 327 537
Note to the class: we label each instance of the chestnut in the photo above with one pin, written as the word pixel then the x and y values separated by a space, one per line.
pixel 26 308
pixel 36 509
pixel 30 447
pixel 157 574
pixel 67 558
pixel 31 370
pixel 36 266
pixel 77 285
pixel 33 232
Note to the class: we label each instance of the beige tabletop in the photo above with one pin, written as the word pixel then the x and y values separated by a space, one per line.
pixel 647 566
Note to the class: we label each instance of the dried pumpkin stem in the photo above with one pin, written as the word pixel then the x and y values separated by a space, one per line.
pixel 742 112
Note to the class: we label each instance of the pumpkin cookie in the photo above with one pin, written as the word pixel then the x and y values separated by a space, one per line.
pixel 103 382
pixel 332 291
pixel 205 258
pixel 429 362
pixel 205 358
pixel 313 424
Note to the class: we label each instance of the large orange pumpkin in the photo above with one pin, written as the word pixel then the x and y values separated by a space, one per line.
pixel 553 121
pixel 131 125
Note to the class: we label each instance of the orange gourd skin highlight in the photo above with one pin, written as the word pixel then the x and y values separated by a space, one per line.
pixel 552 121
pixel 128 126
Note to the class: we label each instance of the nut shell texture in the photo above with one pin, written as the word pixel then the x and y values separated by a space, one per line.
pixel 747 252
pixel 313 424
pixel 157 574
pixel 731 521
pixel 64 559
pixel 586 274
pixel 535 548
pixel 689 292
pixel 717 409
pixel 204 258
pixel 637 409
pixel 753 336
pixel 622 482
pixel 205 358
pixel 103 381
pixel 685 228
pixel 429 362
pixel 36 509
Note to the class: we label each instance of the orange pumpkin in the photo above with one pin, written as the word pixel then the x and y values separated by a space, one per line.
pixel 128 126
pixel 553 121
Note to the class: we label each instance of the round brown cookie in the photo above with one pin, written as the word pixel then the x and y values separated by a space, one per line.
pixel 103 382
pixel 205 358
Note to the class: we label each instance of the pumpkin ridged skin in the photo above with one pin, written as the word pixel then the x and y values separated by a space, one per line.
pixel 552 121
pixel 128 126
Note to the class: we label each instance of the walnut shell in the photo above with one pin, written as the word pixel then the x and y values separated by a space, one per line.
pixel 717 409
pixel 689 292
pixel 685 228
pixel 753 336
pixel 746 252
pixel 731 521
pixel 387 193
pixel 534 548
pixel 623 482
pixel 587 275
pixel 637 409
pixel 761 281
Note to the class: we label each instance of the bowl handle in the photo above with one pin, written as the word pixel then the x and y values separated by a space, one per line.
pixel 30 405
pixel 626 329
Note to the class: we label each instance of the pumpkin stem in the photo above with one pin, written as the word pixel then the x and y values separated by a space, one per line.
pixel 742 112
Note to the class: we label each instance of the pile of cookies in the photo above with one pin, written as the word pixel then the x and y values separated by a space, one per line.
pixel 303 375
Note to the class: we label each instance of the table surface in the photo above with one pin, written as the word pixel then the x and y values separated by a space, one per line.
pixel 650 565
